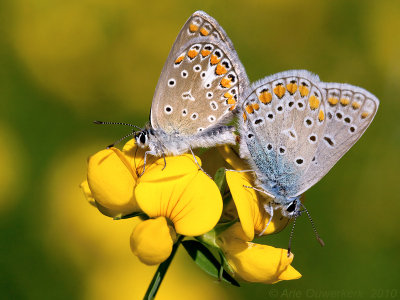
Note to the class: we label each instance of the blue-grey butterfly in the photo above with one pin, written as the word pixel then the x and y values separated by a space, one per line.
pixel 197 91
pixel 294 128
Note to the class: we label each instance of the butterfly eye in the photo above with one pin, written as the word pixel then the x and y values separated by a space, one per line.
pixel 143 138
pixel 291 207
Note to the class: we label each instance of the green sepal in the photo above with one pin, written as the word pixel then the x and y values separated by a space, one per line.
pixel 203 257
pixel 224 262
pixel 140 214
pixel 210 238
pixel 220 180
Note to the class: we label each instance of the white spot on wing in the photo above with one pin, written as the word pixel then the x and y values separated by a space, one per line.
pixel 214 105
pixel 168 109
pixel 171 82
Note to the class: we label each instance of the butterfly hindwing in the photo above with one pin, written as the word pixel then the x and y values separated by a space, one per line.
pixel 349 112
pixel 283 115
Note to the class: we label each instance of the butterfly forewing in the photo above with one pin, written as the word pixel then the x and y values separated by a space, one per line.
pixel 199 88
pixel 349 111
pixel 282 118
pixel 200 24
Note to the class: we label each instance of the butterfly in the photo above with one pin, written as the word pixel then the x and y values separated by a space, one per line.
pixel 197 92
pixel 294 128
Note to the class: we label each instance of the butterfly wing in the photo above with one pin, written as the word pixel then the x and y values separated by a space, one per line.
pixel 200 82
pixel 283 115
pixel 200 24
pixel 349 112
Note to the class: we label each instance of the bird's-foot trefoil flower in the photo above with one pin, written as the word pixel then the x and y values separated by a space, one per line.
pixel 179 204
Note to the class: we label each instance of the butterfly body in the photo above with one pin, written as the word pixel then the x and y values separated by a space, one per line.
pixel 161 143
pixel 294 128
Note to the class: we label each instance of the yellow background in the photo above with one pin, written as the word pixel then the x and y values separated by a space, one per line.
pixel 64 64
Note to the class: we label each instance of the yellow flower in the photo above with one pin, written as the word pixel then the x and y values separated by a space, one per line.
pixel 250 203
pixel 250 261
pixel 255 262
pixel 152 240
pixel 110 183
pixel 187 199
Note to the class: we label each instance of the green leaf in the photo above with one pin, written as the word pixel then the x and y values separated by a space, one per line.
pixel 219 179
pixel 200 151
pixel 207 261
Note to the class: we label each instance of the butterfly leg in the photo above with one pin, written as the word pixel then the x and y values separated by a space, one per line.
pixel 238 171
pixel 270 210
pixel 165 162
pixel 259 190
pixel 144 161
pixel 200 168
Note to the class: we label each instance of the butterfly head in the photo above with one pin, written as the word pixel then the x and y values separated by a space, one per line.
pixel 292 208
pixel 142 138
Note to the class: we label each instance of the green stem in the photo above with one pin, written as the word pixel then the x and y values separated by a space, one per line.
pixel 160 273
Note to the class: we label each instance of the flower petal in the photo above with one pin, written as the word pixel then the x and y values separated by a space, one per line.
pixel 111 182
pixel 250 206
pixel 255 262
pixel 232 158
pixel 152 241
pixel 87 192
pixel 182 193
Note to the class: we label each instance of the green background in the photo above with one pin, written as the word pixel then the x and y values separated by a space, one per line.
pixel 64 64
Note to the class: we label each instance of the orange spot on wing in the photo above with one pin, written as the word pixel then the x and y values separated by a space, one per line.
pixel 214 59
pixel 303 90
pixel 364 114
pixel 220 70
pixel 204 31
pixel 344 101
pixel 244 116
pixel 179 59
pixel 205 53
pixel 333 100
pixel 279 91
pixel 232 107
pixel 314 102
pixel 265 97
pixel 249 109
pixel 355 105
pixel 228 95
pixel 256 106
pixel 292 88
pixel 231 101
pixel 192 53
pixel 321 115
pixel 193 27
pixel 225 82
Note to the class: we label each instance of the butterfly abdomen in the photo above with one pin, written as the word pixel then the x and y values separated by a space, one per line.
pixel 214 136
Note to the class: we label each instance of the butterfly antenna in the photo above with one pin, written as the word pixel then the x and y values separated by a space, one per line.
pixel 320 241
pixel 291 236
pixel 116 123
pixel 120 140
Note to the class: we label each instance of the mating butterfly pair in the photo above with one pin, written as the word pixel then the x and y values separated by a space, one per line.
pixel 293 127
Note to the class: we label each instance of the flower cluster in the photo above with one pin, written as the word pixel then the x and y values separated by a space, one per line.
pixel 181 201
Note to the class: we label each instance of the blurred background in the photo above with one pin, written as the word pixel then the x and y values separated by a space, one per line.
pixel 64 64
